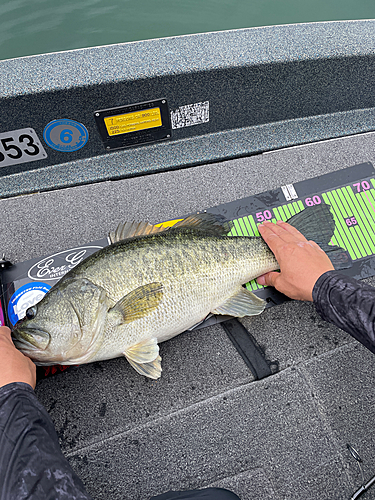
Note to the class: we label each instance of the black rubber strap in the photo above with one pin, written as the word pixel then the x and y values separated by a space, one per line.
pixel 247 348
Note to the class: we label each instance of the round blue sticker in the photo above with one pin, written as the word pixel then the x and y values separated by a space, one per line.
pixel 65 135
pixel 26 296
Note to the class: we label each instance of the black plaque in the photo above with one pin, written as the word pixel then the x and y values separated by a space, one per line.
pixel 133 125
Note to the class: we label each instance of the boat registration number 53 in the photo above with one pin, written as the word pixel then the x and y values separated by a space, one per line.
pixel 20 146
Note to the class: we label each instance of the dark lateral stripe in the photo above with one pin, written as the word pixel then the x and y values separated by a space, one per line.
pixel 247 348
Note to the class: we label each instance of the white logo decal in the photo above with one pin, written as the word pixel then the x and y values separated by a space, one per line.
pixel 55 266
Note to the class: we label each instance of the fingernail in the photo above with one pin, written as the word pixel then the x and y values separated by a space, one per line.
pixel 261 280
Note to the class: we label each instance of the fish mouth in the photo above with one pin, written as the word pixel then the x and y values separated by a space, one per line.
pixel 33 339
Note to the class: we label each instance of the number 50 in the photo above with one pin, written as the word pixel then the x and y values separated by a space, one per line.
pixel 262 216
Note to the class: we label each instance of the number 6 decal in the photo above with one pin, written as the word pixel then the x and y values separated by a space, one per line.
pixel 65 135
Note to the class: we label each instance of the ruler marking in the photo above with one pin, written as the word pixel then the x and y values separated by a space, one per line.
pixel 340 234
pixel 244 230
pixel 283 216
pixel 296 207
pixel 234 229
pixel 277 214
pixel 249 229
pixel 369 220
pixel 238 227
pixel 254 226
pixel 336 237
pixel 370 199
pixel 351 211
pixel 291 209
pixel 341 211
pixel 287 212
pixel 361 218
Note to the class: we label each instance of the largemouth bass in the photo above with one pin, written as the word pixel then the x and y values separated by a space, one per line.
pixel 151 284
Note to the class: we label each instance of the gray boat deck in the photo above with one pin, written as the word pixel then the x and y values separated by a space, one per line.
pixel 206 421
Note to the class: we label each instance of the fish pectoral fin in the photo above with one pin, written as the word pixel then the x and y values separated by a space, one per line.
pixel 143 352
pixel 151 370
pixel 138 303
pixel 243 303
pixel 134 229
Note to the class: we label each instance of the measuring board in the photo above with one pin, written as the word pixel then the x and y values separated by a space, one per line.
pixel 350 193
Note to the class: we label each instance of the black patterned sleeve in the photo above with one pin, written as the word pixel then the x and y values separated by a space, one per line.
pixel 32 465
pixel 348 304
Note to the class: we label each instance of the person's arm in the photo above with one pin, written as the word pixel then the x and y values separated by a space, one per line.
pixel 347 303
pixel 32 465
pixel 306 273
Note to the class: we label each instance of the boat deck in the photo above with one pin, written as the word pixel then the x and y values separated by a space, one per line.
pixel 207 421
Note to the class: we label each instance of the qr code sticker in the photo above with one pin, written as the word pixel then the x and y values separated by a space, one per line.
pixel 191 114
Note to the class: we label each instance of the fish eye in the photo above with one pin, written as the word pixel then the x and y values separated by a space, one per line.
pixel 31 312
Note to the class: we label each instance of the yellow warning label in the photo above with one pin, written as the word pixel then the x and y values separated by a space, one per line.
pixel 132 122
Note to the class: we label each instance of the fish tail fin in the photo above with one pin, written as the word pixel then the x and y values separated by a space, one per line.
pixel 318 224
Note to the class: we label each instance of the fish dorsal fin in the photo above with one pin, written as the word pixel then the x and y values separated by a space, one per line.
pixel 133 229
pixel 144 358
pixel 214 224
pixel 242 303
pixel 137 304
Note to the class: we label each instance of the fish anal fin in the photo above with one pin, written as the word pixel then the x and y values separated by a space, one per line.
pixel 243 303
pixel 151 370
pixel 143 352
pixel 138 303
pixel 133 229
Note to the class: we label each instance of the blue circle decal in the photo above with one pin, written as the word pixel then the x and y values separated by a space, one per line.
pixel 26 296
pixel 65 135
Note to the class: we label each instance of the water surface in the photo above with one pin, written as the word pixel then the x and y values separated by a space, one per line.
pixel 30 27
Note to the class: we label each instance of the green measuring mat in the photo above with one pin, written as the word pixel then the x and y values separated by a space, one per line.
pixel 349 192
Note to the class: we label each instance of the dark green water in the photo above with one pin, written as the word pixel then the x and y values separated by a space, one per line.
pixel 30 27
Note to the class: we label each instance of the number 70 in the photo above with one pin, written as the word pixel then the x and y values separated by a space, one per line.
pixel 363 184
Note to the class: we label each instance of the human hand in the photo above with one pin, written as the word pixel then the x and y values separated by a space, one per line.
pixel 14 366
pixel 301 262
